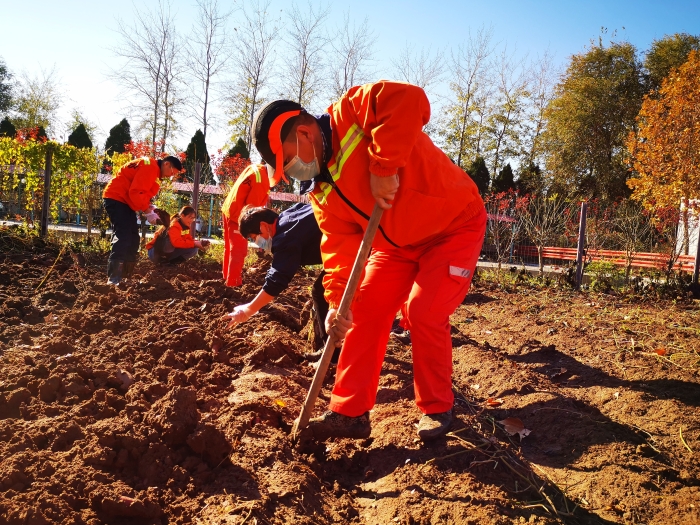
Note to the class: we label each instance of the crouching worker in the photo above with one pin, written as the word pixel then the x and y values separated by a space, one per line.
pixel 171 243
pixel 130 191
pixel 294 239
pixel 251 188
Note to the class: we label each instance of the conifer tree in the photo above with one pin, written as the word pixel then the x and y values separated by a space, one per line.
pixel 79 138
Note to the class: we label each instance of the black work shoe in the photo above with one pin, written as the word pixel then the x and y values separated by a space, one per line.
pixel 332 424
pixel 432 426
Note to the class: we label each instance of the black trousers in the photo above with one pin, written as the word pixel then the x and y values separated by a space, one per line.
pixel 320 311
pixel 125 236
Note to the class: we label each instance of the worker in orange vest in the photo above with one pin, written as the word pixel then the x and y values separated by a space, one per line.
pixel 130 191
pixel 371 148
pixel 251 188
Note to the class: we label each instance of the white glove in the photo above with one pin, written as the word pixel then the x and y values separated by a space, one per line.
pixel 240 314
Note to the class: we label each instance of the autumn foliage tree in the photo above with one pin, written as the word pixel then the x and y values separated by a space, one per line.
pixel 665 150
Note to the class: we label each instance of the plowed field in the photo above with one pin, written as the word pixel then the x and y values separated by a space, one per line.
pixel 136 406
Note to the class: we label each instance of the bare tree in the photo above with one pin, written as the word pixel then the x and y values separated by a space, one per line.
pixel 543 220
pixel 207 55
pixel 632 227
pixel 37 100
pixel 507 112
pixel 256 37
pixel 305 62
pixel 171 82
pixel 469 84
pixel 353 50
pixel 148 46
pixel 502 226
pixel 422 69
pixel 541 83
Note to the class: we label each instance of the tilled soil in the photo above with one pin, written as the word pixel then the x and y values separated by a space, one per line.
pixel 137 406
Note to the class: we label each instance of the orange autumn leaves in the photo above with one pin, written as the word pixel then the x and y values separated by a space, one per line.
pixel 665 150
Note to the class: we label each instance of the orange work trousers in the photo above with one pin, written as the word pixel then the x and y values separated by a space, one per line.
pixel 432 279
pixel 235 251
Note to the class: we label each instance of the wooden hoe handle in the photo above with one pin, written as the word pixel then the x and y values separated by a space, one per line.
pixel 307 408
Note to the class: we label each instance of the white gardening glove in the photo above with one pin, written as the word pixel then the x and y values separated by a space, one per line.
pixel 240 314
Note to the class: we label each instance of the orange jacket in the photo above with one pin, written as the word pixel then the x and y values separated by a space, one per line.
pixel 251 188
pixel 378 128
pixel 177 238
pixel 135 184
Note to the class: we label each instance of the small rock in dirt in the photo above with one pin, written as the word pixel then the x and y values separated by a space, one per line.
pixel 175 416
pixel 126 379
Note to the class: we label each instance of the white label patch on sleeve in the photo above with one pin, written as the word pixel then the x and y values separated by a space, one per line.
pixel 460 272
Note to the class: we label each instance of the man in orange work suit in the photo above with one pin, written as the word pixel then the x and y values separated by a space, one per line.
pixel 129 191
pixel 370 148
pixel 252 187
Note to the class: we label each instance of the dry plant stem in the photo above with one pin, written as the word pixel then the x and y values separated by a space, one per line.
pixel 50 269
pixel 506 459
pixel 680 433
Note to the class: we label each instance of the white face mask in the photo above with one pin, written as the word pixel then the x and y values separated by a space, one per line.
pixel 300 170
pixel 264 244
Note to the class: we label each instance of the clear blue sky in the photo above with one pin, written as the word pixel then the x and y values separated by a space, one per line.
pixel 75 36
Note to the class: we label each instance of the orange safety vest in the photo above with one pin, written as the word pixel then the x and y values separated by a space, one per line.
pixel 252 187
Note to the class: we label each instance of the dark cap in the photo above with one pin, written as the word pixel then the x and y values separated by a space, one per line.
pixel 267 126
pixel 174 162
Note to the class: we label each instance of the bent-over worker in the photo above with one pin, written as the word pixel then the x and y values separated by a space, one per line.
pixel 294 239
pixel 371 148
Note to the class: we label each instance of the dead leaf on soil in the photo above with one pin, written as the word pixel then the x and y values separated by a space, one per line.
pixel 661 351
pixel 494 402
pixel 513 425
pixel 280 403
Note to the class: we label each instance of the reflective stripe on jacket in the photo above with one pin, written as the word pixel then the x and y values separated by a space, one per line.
pixel 251 188
pixel 135 184
pixel 378 128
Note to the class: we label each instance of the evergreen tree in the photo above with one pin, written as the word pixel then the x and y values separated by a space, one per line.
pixel 79 138
pixel 197 152
pixel 239 149
pixel 480 174
pixel 504 181
pixel 119 136
pixel 7 129
pixel 530 180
